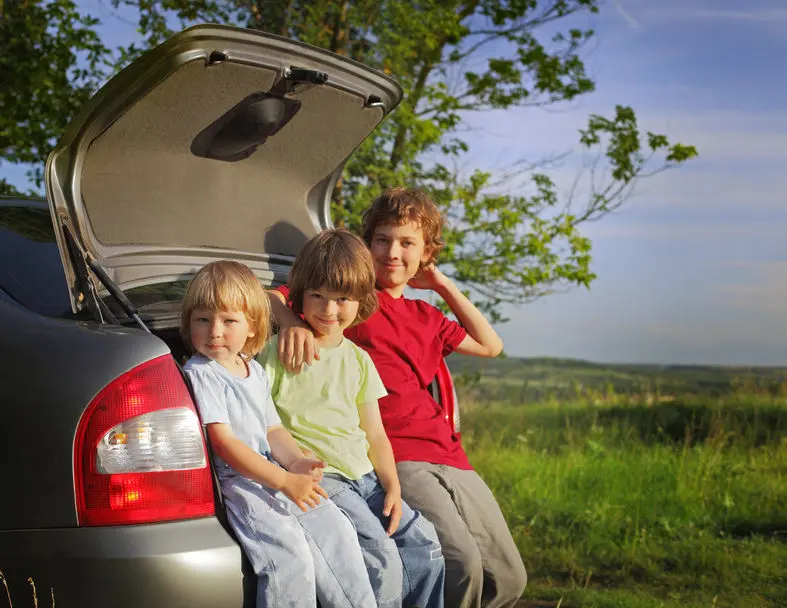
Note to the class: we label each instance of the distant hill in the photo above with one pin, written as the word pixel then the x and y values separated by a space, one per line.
pixel 525 380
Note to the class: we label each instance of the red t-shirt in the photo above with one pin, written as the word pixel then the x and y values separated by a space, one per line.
pixel 406 340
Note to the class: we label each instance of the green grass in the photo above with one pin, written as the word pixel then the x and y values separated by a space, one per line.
pixel 677 504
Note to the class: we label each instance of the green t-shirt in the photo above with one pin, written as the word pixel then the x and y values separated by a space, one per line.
pixel 320 405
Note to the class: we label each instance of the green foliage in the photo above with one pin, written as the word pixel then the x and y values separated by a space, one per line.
pixel 674 505
pixel 52 62
pixel 511 237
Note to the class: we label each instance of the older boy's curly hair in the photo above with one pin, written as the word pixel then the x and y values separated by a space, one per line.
pixel 228 285
pixel 399 206
pixel 338 261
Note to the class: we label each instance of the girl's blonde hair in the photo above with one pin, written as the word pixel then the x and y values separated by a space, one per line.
pixel 228 285
pixel 338 261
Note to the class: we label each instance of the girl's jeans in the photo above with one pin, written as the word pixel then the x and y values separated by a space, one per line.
pixel 407 568
pixel 298 556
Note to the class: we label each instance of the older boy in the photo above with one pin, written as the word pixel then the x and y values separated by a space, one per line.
pixel 406 340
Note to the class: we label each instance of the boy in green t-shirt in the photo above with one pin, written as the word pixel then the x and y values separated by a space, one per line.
pixel 331 409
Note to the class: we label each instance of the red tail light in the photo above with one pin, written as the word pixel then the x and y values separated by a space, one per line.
pixel 140 455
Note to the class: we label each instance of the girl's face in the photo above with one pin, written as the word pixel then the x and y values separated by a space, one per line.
pixel 329 314
pixel 398 253
pixel 219 334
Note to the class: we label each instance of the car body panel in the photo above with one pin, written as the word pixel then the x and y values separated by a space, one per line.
pixel 127 181
pixel 192 564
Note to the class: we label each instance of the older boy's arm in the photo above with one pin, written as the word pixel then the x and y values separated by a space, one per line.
pixel 481 340
pixel 296 340
pixel 381 455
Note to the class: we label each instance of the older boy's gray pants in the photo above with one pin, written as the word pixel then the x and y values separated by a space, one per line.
pixel 482 564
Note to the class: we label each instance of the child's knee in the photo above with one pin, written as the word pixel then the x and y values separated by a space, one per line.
pixel 511 581
pixel 421 550
pixel 435 565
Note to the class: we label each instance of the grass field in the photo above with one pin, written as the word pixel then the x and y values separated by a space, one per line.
pixel 623 504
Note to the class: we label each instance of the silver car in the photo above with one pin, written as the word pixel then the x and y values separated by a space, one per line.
pixel 220 143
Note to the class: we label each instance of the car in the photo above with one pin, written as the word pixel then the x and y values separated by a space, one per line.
pixel 222 143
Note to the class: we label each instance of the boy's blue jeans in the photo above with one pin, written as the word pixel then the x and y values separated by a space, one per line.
pixel 406 569
pixel 298 556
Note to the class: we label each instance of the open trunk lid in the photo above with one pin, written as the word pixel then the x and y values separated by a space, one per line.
pixel 222 143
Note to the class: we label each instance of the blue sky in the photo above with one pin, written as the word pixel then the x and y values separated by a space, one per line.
pixel 694 268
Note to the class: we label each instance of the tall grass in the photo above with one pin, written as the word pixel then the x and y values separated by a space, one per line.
pixel 34 594
pixel 630 505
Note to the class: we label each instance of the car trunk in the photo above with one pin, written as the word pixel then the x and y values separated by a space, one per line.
pixel 221 143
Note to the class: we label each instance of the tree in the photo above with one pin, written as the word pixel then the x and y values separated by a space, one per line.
pixel 511 237
pixel 52 61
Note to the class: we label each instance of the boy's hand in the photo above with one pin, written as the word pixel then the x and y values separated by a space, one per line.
pixel 308 466
pixel 303 490
pixel 393 509
pixel 296 347
pixel 429 277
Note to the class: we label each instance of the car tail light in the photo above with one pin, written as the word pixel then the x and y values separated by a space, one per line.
pixel 445 386
pixel 140 456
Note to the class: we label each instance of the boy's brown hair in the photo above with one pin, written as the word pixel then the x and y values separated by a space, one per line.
pixel 228 285
pixel 399 206
pixel 338 261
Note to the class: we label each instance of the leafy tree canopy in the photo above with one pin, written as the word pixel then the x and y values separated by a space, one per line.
pixel 511 235
pixel 52 61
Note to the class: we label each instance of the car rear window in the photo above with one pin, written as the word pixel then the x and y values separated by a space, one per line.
pixel 31 273
pixel 159 294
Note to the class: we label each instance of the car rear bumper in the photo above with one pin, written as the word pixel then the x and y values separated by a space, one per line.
pixel 192 563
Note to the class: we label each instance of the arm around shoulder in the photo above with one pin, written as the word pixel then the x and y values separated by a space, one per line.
pixel 296 340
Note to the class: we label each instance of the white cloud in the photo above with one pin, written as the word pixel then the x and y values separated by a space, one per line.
pixel 764 15
pixel 682 231
pixel 725 136
pixel 755 11
pixel 629 19
pixel 751 193
pixel 720 136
